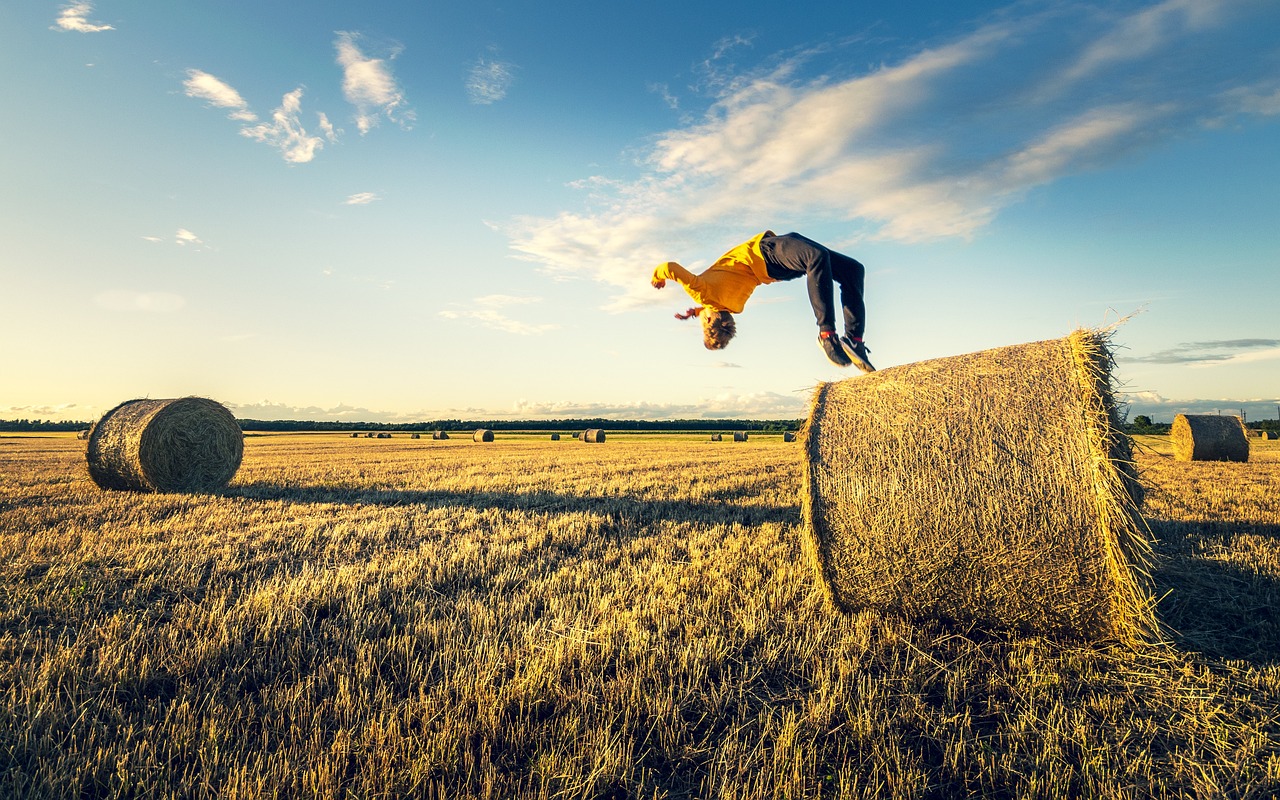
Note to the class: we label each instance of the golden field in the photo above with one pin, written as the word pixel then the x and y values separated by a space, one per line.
pixel 362 618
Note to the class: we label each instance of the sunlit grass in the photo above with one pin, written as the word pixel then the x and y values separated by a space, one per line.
pixel 397 617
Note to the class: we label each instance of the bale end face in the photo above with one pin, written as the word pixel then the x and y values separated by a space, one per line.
pixel 593 435
pixel 482 435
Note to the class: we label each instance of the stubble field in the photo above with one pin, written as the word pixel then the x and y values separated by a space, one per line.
pixel 412 618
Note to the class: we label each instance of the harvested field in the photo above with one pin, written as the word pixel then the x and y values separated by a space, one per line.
pixel 523 620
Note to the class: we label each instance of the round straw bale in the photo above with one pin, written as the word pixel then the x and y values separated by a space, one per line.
pixel 84 434
pixel 415 436
pixel 555 437
pixel 355 436
pixel 577 434
pixel 384 436
pixel 1021 513
pixel 739 436
pixel 440 435
pixel 716 437
pixel 1208 437
pixel 593 435
pixel 482 435
pixel 370 435
pixel 1269 435
pixel 189 444
pixel 788 436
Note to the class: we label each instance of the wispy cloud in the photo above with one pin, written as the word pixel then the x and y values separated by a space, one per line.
pixel 360 199
pixel 186 237
pixel 490 311
pixel 1215 352
pixel 769 405
pixel 285 132
pixel 203 86
pixel 369 85
pixel 75 17
pixel 488 81
pixel 934 145
pixel 149 302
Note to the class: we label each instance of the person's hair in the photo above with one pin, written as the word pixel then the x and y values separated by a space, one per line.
pixel 718 328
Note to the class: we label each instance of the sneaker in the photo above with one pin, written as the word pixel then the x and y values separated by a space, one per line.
pixel 830 344
pixel 857 353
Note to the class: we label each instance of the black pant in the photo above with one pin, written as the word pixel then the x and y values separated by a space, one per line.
pixel 791 255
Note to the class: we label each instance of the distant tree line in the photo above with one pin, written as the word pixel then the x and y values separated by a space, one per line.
pixel 698 425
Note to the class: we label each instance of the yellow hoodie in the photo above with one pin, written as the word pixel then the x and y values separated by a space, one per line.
pixel 726 284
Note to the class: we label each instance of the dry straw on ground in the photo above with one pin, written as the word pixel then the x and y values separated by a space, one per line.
pixel 482 435
pixel 1208 437
pixel 188 444
pixel 1018 512
pixel 739 436
pixel 593 435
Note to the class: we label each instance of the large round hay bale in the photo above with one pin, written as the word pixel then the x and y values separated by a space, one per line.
pixel 716 437
pixel 415 436
pixel 593 435
pixel 555 437
pixel 788 436
pixel 440 435
pixel 1208 437
pixel 740 436
pixel 188 444
pixel 1019 512
pixel 482 435
pixel 1269 435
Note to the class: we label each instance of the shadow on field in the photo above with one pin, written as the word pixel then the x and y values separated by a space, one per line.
pixel 1221 611
pixel 633 509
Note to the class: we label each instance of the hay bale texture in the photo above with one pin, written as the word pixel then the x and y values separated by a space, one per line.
pixel 482 435
pixel 1208 437
pixel 593 435
pixel 1020 512
pixel 188 444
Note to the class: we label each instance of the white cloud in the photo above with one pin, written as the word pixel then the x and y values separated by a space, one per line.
pixel 155 239
pixel 488 81
pixel 151 302
pixel 368 84
pixel 932 146
pixel 360 199
pixel 185 237
pixel 286 134
pixel 75 17
pixel 489 311
pixel 203 86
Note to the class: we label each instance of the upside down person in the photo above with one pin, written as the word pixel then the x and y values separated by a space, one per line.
pixel 723 289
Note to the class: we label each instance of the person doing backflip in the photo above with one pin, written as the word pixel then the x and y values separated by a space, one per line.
pixel 723 289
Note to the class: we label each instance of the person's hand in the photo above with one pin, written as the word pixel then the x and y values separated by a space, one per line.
pixel 657 283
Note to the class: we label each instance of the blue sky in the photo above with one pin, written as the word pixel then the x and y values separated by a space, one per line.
pixel 403 211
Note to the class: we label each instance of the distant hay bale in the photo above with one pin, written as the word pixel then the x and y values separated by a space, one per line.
pixel 593 435
pixel 1208 437
pixel 1020 512
pixel 739 436
pixel 355 436
pixel 577 434
pixel 555 437
pixel 1269 435
pixel 370 435
pixel 440 435
pixel 84 434
pixel 716 437
pixel 415 436
pixel 188 444
pixel 788 436
pixel 482 435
